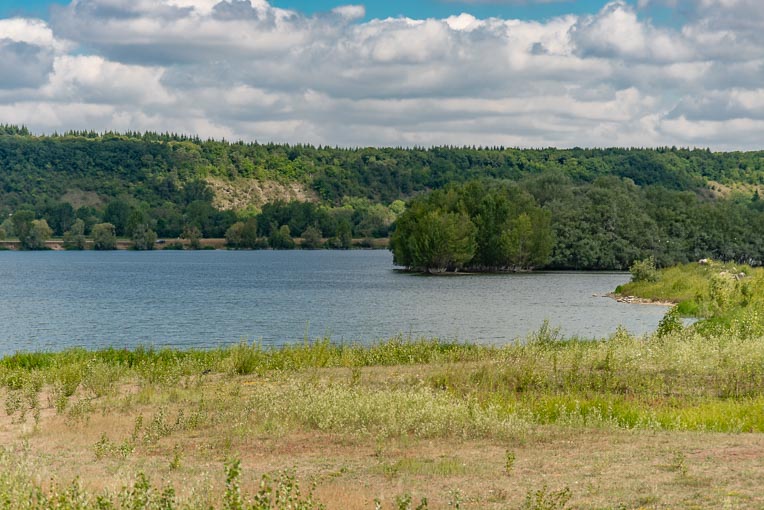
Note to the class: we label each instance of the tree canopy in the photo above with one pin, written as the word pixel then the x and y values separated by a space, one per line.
pixel 573 208
pixel 477 226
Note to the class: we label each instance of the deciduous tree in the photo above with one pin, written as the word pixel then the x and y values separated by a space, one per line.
pixel 74 238
pixel 104 236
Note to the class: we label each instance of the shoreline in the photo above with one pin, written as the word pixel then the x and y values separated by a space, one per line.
pixel 635 300
pixel 173 245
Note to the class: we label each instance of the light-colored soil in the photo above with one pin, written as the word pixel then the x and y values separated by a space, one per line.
pixel 79 198
pixel 634 300
pixel 719 190
pixel 243 193
pixel 602 467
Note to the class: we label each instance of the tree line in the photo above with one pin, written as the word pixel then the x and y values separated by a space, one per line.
pixel 155 168
pixel 275 226
pixel 548 221
pixel 603 208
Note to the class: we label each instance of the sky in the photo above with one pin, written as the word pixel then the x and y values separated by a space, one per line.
pixel 520 73
pixel 417 9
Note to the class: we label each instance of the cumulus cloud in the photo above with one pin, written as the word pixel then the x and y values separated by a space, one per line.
pixel 246 69
pixel 23 65
pixel 617 32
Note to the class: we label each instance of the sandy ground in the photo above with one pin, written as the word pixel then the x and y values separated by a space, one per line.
pixel 602 468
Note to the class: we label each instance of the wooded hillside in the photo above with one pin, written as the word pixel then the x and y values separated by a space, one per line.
pixel 608 207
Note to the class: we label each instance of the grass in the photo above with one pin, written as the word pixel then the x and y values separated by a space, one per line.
pixel 668 420
pixel 417 409
pixel 684 381
pixel 728 297
pixel 712 290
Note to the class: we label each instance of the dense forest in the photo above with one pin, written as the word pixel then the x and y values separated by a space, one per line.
pixel 603 208
pixel 549 221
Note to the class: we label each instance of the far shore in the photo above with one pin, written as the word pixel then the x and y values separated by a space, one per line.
pixel 206 244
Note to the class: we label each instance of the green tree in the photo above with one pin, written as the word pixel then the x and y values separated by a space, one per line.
pixel 22 225
pixel 344 235
pixel 435 241
pixel 197 190
pixel 528 241
pixel 375 221
pixel 117 213
pixel 398 207
pixel 249 234
pixel 506 227
pixel 6 228
pixel 32 233
pixel 74 238
pixel 193 235
pixel 38 234
pixel 281 239
pixel 233 235
pixel 311 238
pixel 104 236
pixel 644 271
pixel 134 220
pixel 243 234
pixel 144 238
pixel 491 216
pixel 89 215
pixel 60 217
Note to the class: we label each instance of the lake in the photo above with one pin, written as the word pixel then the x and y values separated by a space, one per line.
pixel 56 300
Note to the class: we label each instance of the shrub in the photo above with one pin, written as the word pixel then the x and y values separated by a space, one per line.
pixel 670 323
pixel 644 271
pixel 544 499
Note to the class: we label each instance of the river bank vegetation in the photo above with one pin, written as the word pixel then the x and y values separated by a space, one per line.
pixel 606 208
pixel 727 297
pixel 664 421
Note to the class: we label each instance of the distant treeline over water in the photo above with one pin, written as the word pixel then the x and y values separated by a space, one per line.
pixel 605 207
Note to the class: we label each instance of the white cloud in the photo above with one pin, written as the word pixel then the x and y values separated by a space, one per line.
pixel 29 31
pixel 245 69
pixel 104 82
pixel 617 32
pixel 350 11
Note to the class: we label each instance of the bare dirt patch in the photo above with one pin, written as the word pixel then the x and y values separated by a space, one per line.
pixel 242 193
pixel 79 198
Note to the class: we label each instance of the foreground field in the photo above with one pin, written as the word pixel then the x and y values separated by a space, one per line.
pixel 663 422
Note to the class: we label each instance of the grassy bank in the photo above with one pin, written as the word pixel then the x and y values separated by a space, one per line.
pixel 385 421
pixel 729 297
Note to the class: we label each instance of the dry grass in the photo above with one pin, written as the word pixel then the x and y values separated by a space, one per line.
pixel 188 431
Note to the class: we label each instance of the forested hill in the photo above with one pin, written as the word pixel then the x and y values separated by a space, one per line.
pixel 151 167
pixel 608 206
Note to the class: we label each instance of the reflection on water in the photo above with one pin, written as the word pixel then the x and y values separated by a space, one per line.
pixel 205 299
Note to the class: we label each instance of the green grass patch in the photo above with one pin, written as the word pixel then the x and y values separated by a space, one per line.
pixel 413 466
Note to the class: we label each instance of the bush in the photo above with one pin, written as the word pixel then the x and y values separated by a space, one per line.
pixel 670 323
pixel 644 271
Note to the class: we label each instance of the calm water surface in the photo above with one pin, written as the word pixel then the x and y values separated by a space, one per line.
pixel 55 300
